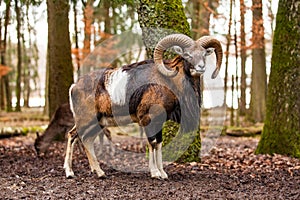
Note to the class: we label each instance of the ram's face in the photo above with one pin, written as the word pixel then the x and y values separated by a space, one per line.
pixel 196 56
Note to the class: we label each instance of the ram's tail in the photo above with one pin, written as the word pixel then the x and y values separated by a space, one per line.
pixel 70 99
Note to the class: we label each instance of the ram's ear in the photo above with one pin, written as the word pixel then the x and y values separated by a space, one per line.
pixel 177 49
pixel 209 51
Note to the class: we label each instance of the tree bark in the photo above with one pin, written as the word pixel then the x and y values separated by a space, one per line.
pixel 77 52
pixel 281 132
pixel 242 103
pixel 160 18
pixel 59 54
pixel 5 79
pixel 19 53
pixel 202 10
pixel 259 77
pixel 87 19
pixel 228 38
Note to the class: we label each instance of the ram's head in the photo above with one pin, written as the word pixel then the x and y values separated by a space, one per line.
pixel 195 52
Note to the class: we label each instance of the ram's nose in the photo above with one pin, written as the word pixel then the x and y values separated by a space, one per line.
pixel 200 68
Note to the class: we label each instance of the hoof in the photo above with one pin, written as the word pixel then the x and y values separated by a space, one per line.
pixel 163 175
pixel 103 177
pixel 155 174
pixel 70 174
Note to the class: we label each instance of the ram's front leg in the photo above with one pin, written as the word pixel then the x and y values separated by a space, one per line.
pixel 155 173
pixel 155 154
pixel 159 162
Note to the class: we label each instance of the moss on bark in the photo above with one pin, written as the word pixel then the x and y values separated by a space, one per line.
pixel 281 132
pixel 160 18
pixel 180 147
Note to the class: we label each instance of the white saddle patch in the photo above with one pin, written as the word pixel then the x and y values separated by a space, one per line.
pixel 116 86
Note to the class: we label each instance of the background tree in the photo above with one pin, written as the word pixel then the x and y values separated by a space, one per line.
pixel 5 88
pixel 60 74
pixel 155 17
pixel 243 54
pixel 281 133
pixel 88 12
pixel 19 54
pixel 200 16
pixel 259 77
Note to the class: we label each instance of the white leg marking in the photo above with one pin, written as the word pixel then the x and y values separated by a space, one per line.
pixel 159 162
pixel 155 173
pixel 68 158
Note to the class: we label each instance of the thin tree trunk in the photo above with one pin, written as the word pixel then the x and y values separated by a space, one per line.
pixel 237 122
pixel 87 19
pixel 26 73
pixel 77 53
pixel 259 77
pixel 2 105
pixel 242 102
pixel 107 24
pixel 202 10
pixel 232 100
pixel 228 37
pixel 5 79
pixel 19 52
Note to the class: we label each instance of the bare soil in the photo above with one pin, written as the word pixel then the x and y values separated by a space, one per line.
pixel 231 171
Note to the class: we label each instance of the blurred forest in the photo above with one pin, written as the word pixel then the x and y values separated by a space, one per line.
pixel 28 77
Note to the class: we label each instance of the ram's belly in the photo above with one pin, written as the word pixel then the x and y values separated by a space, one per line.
pixel 115 121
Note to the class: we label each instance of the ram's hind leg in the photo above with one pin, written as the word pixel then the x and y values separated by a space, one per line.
pixel 107 133
pixel 88 143
pixel 72 140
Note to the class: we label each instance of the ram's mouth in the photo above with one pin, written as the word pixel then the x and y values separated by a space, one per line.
pixel 198 72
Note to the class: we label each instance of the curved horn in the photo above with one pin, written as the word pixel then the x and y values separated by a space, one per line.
pixel 171 40
pixel 207 42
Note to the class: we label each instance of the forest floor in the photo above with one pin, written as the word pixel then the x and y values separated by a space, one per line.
pixel 230 171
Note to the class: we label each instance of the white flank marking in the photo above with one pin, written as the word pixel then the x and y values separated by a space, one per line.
pixel 116 86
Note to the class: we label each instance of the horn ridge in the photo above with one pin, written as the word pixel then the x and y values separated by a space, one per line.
pixel 171 40
pixel 209 41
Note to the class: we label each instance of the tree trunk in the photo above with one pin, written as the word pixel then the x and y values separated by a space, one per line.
pixel 281 133
pixel 5 89
pixel 259 77
pixel 242 103
pixel 228 37
pixel 5 79
pixel 202 10
pixel 107 24
pixel 59 54
pixel 19 52
pixel 160 18
pixel 88 20
pixel 77 52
